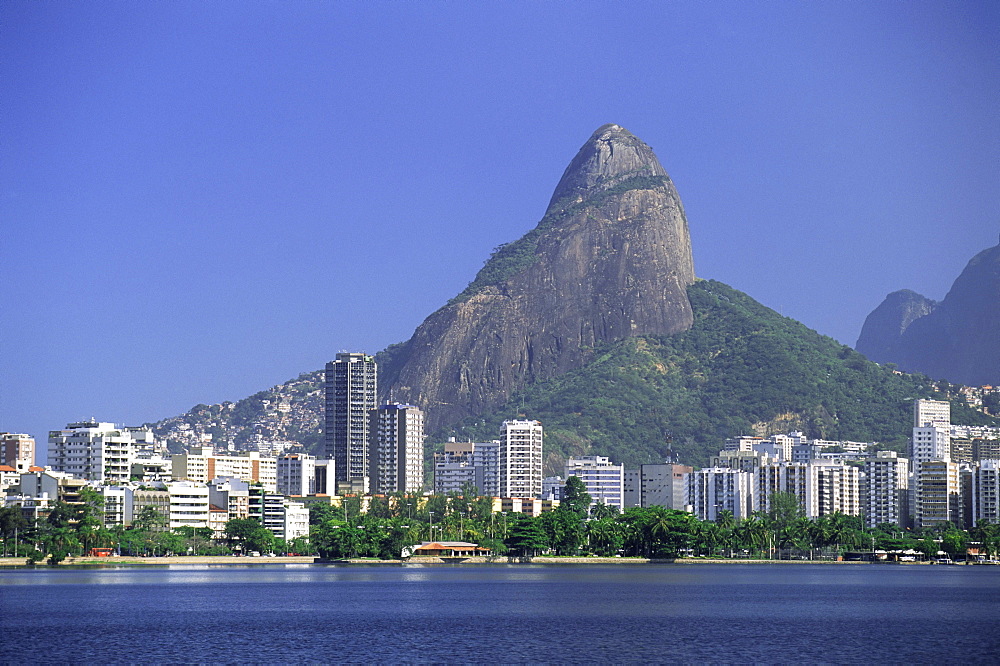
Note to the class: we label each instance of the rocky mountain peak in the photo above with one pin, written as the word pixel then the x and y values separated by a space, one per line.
pixel 611 259
pixel 955 339
pixel 610 157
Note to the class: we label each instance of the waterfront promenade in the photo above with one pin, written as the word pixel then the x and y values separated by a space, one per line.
pixel 309 559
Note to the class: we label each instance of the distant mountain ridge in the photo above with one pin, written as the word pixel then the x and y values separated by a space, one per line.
pixel 957 339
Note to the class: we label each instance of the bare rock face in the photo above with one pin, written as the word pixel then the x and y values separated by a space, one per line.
pixel 957 339
pixel 886 324
pixel 610 259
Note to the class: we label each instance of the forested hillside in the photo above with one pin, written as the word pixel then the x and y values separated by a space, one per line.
pixel 741 369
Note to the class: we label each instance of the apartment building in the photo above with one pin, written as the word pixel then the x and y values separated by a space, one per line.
pixel 602 478
pixel 520 459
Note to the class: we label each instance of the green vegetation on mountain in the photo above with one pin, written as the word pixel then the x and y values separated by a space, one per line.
pixel 741 369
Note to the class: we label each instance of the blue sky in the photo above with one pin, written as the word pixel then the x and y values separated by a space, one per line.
pixel 201 200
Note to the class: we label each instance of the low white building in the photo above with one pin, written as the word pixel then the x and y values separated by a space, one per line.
pixel 188 504
pixel 603 479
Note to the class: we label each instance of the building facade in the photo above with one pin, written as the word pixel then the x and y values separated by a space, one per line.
pixel 202 465
pixel 520 459
pixel 712 490
pixel 986 492
pixel 397 451
pixel 656 484
pixel 17 451
pixel 98 452
pixel 603 479
pixel 931 413
pixel 350 394
pixel 887 490
pixel 296 474
pixel 938 494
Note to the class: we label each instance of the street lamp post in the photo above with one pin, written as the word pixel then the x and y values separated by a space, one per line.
pixel 431 529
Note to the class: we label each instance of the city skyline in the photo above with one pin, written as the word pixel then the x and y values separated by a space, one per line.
pixel 177 179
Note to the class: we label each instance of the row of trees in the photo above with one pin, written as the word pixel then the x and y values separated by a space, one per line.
pixel 575 528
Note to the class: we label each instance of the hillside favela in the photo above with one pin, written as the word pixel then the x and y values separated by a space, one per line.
pixel 585 399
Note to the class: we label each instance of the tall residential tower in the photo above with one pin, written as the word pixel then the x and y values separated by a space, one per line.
pixel 397 448
pixel 350 390
pixel 520 459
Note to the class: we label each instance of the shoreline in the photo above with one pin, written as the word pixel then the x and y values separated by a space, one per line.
pixel 216 560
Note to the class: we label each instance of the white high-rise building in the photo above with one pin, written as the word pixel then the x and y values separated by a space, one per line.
pixel 791 478
pixel 837 489
pixel 938 496
pixel 931 413
pixel 98 452
pixel 602 478
pixel 712 490
pixel 986 492
pixel 887 489
pixel 931 442
pixel 397 449
pixel 520 459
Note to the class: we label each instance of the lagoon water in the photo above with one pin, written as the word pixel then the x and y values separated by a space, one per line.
pixel 504 613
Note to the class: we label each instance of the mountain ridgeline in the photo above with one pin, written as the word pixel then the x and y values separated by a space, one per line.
pixel 957 339
pixel 594 323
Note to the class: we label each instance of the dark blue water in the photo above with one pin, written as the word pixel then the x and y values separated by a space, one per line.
pixel 637 613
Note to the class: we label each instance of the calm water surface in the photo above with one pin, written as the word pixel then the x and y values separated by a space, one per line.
pixel 586 613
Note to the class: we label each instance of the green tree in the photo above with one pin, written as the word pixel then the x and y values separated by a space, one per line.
pixel 13 527
pixel 605 536
pixel 953 542
pixel 150 518
pixel 320 512
pixel 928 547
pixel 89 518
pixel 564 529
pixel 600 510
pixel 527 537
pixel 575 497
pixel 248 535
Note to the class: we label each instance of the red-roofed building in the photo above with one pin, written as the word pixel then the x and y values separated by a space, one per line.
pixel 8 477
pixel 446 549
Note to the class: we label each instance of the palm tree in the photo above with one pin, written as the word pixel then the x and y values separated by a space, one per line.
pixel 727 524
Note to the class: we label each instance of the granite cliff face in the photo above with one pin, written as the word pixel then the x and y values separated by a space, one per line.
pixel 957 339
pixel 610 259
pixel 885 325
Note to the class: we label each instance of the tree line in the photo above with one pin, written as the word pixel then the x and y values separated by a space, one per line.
pixel 575 528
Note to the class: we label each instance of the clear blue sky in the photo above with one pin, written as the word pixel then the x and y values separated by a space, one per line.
pixel 201 200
